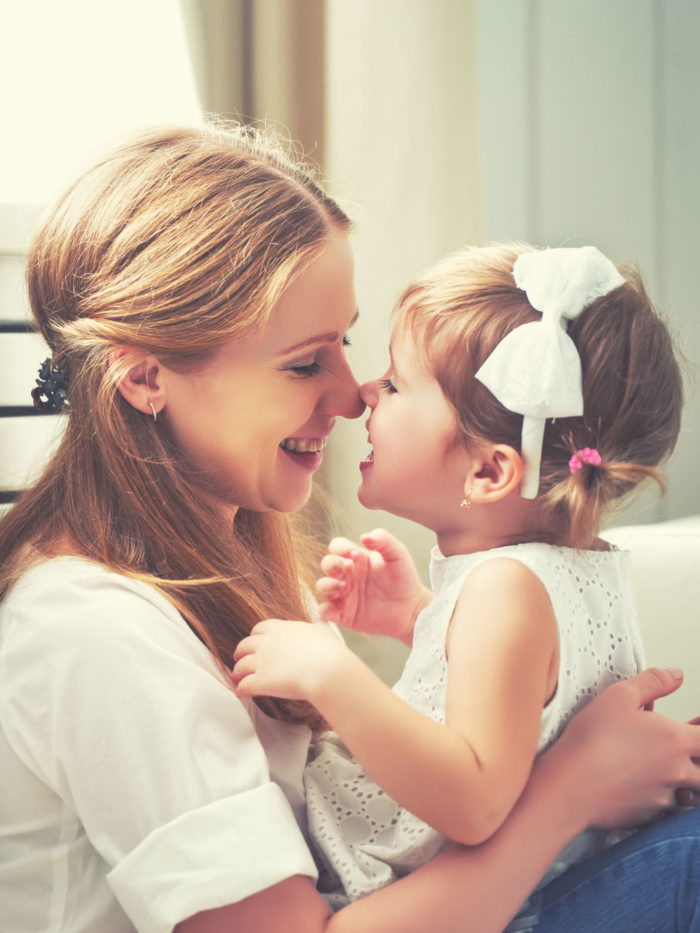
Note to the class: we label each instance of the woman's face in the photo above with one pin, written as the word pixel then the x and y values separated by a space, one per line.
pixel 255 419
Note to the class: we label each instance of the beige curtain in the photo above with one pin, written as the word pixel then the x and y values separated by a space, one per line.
pixel 382 94
pixel 261 60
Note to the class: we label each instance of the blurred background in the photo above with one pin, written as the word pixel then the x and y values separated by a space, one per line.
pixel 435 122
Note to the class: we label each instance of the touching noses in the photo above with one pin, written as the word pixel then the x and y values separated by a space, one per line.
pixel 368 393
pixel 344 397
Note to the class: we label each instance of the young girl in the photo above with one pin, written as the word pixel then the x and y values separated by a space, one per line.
pixel 528 391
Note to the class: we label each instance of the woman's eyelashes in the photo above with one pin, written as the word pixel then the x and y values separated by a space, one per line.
pixel 305 370
pixel 387 385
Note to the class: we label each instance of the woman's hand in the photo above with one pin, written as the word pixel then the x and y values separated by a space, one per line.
pixel 372 588
pixel 629 765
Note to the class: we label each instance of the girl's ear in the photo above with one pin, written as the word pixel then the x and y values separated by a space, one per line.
pixel 496 473
pixel 137 375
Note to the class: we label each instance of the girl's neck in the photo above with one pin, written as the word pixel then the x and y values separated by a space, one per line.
pixel 461 542
pixel 512 520
pixel 450 544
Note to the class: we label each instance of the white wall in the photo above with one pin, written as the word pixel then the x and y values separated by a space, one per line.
pixel 590 133
pixel 401 152
pixel 25 439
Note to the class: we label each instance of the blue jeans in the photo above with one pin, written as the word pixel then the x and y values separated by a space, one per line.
pixel 648 883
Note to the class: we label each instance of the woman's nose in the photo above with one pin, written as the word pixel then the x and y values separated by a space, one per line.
pixel 344 398
pixel 368 393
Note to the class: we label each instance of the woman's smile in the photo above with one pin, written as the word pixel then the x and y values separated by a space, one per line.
pixel 306 452
pixel 294 376
pixel 304 445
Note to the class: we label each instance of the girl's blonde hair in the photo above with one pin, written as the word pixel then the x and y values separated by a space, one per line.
pixel 461 308
pixel 178 241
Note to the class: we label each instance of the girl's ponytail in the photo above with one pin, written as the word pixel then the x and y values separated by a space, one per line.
pixel 577 503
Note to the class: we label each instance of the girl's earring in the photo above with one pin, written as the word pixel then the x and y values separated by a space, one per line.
pixel 467 502
pixel 153 411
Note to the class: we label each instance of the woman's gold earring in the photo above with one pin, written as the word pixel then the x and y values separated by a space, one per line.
pixel 155 417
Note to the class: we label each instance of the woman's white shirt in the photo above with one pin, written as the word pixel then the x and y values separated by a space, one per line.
pixel 137 789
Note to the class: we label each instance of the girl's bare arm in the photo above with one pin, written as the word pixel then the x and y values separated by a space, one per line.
pixel 615 765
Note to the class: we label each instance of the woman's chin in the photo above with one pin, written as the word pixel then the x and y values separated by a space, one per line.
pixel 293 499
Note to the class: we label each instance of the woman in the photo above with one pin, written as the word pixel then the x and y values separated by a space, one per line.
pixel 196 289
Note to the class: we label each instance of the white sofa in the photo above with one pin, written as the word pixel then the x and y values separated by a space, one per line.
pixel 666 578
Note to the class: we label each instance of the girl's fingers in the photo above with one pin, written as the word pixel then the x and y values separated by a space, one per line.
pixel 245 687
pixel 328 588
pixel 341 546
pixel 242 668
pixel 333 566
pixel 248 644
pixel 384 543
pixel 243 648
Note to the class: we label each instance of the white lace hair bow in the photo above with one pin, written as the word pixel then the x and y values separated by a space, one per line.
pixel 536 370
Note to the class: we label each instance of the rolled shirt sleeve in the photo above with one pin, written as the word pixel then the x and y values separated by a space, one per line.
pixel 213 856
pixel 111 700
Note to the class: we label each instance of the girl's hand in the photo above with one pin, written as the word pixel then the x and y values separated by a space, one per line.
pixel 287 659
pixel 628 764
pixel 375 588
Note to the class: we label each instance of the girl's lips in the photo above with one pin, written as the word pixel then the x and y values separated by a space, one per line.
pixel 367 461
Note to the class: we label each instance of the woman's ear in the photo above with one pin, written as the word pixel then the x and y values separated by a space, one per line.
pixel 137 375
pixel 496 473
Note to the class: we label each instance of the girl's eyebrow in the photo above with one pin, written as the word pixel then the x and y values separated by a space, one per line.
pixel 330 337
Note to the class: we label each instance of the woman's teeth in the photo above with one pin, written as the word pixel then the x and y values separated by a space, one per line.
pixel 304 445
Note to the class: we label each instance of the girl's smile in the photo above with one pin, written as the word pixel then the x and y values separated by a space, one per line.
pixel 414 468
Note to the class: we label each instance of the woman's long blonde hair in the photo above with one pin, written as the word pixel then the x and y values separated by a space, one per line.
pixel 178 241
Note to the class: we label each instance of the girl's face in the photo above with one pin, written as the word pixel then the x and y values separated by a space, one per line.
pixel 256 418
pixel 415 468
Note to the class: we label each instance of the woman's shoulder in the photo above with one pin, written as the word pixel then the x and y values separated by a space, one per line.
pixel 72 575
pixel 72 600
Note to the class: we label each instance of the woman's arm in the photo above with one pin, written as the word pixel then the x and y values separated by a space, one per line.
pixel 615 765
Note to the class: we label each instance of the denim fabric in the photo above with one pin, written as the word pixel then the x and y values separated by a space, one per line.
pixel 648 883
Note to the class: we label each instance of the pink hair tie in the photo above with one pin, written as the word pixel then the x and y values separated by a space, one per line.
pixel 587 455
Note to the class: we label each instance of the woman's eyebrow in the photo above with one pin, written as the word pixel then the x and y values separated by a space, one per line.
pixel 329 337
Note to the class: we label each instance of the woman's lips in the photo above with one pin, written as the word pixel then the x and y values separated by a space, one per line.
pixel 304 445
pixel 306 452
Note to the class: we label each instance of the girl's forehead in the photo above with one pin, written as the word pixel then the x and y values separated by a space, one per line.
pixel 408 355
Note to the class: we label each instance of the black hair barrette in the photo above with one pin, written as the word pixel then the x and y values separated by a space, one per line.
pixel 51 392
